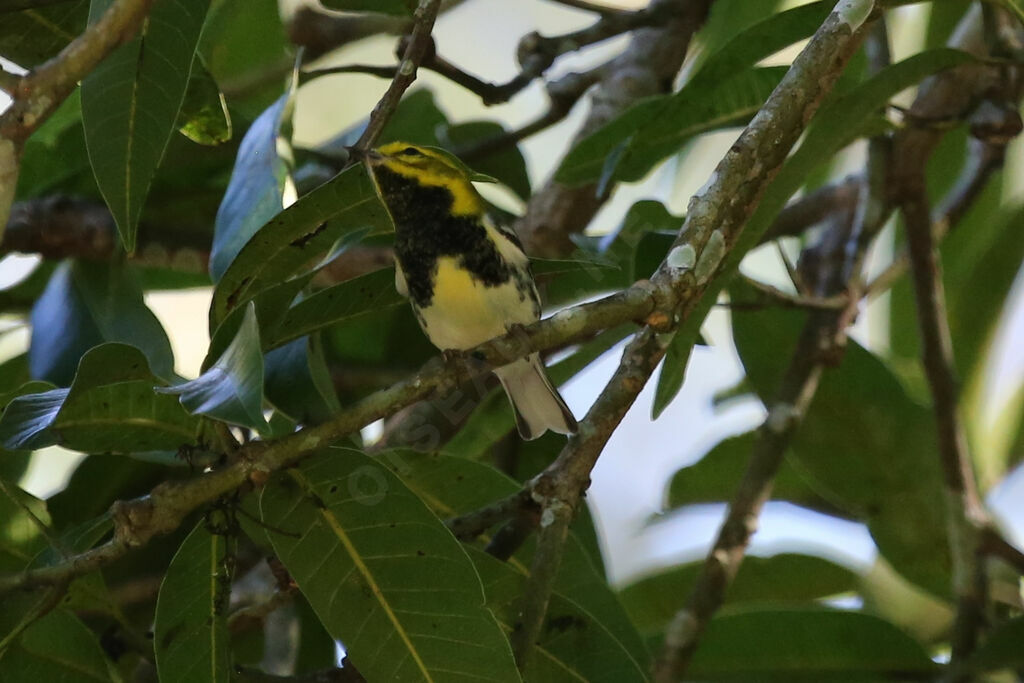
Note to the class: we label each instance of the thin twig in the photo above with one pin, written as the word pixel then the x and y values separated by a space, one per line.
pixel 419 42
pixel 966 511
pixel 993 544
pixel 723 208
pixel 778 297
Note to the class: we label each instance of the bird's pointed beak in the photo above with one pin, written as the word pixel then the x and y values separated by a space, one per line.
pixel 370 156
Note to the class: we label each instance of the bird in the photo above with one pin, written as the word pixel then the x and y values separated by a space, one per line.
pixel 465 274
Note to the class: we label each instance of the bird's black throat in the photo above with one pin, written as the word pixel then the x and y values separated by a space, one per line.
pixel 426 230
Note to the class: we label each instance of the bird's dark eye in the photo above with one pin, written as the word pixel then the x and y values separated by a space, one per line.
pixel 412 152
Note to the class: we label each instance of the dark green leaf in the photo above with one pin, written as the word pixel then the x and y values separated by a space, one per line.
pixel 190 631
pixel 57 648
pixel 1001 650
pixel 806 645
pixel 572 644
pixel 299 235
pixel 245 47
pixel 656 127
pixel 22 535
pixel 92 303
pixel 714 477
pixel 32 36
pixel 55 156
pixel 110 407
pixel 585 161
pixel 232 388
pixel 256 192
pixel 864 443
pixel 653 600
pixel 100 480
pixel 298 381
pixel 454 486
pixel 385 576
pixel 130 104
pixel 204 117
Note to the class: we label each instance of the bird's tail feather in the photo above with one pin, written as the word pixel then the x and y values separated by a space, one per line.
pixel 537 404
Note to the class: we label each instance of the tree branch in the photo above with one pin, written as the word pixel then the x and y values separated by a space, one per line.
pixel 723 208
pixel 967 513
pixel 416 49
pixel 138 521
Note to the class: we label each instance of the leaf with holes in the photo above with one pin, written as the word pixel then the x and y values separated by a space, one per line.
pixel 130 104
pixel 383 573
pixel 299 235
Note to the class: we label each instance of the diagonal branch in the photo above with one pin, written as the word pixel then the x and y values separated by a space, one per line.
pixel 416 49
pixel 722 209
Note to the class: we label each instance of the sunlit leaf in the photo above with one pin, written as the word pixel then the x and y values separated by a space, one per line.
pixel 204 116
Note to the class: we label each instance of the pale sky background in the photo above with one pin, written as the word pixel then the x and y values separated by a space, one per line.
pixel 630 478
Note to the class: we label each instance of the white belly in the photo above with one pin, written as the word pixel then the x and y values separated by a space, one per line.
pixel 464 313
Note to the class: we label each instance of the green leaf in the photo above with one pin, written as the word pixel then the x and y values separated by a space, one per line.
pixel 839 123
pixel 507 165
pixel 1015 6
pixel 190 630
pixel 91 303
pixel 384 575
pixel 110 407
pixel 297 236
pixel 232 388
pixel 337 304
pixel 714 477
pixel 130 104
pixel 786 577
pixel 863 443
pixel 58 647
pixel 654 128
pixel 55 157
pixel 1001 650
pixel 572 644
pixel 21 536
pixel 256 192
pixel 806 645
pixel 98 481
pixel 32 36
pixel 696 99
pixel 453 486
pixel 204 117
pixel 245 47
pixel 298 381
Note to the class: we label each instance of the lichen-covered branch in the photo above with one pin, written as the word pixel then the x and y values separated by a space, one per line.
pixel 721 209
pixel 415 50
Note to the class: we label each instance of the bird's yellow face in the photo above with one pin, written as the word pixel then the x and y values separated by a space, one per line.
pixel 430 167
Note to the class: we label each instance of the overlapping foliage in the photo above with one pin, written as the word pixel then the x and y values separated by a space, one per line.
pixel 359 532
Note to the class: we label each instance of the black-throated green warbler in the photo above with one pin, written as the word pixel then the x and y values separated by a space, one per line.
pixel 466 276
